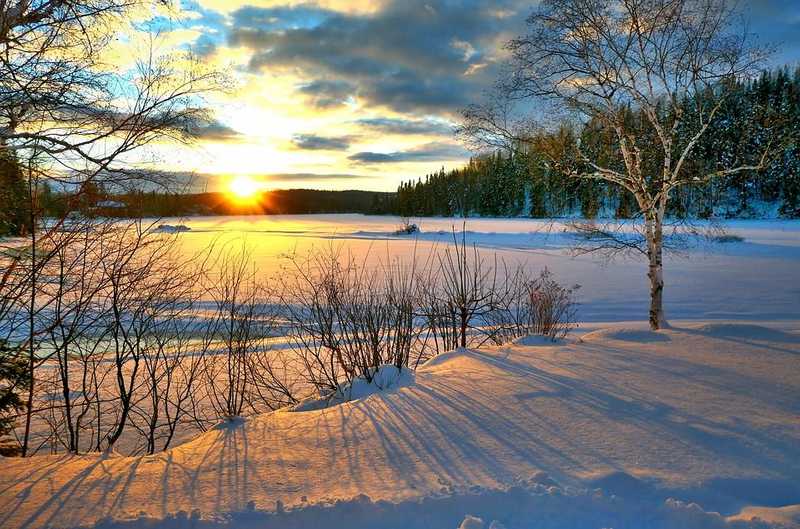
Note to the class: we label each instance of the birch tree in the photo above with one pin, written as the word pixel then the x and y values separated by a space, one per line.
pixel 671 60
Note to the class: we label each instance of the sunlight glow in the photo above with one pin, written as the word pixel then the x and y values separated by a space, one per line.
pixel 244 187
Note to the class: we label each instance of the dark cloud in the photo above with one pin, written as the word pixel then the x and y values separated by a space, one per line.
pixel 213 131
pixel 426 153
pixel 280 18
pixel 327 94
pixel 312 142
pixel 373 157
pixel 407 126
pixel 412 55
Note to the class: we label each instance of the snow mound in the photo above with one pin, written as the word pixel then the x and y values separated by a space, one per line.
pixel 445 358
pixel 171 228
pixel 385 378
pixel 746 332
pixel 535 339
pixel 516 507
pixel 627 334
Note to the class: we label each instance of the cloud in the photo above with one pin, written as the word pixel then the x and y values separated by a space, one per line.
pixel 410 56
pixel 292 177
pixel 407 126
pixel 373 157
pixel 312 142
pixel 328 94
pixel 215 131
pixel 429 152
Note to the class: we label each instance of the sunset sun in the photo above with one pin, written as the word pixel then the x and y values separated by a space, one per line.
pixel 244 187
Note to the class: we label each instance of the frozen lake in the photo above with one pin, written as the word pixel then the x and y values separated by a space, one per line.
pixel 757 279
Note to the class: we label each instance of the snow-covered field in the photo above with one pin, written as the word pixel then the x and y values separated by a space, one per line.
pixel 758 278
pixel 618 427
pixel 622 428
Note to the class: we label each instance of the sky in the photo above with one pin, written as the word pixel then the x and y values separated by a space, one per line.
pixel 359 94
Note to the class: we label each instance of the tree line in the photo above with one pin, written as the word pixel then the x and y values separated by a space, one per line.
pixel 528 177
pixel 96 202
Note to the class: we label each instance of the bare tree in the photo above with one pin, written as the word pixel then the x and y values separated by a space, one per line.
pixel 71 323
pixel 171 373
pixel 671 60
pixel 69 118
pixel 144 287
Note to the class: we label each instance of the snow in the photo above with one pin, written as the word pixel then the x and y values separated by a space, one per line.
pixel 170 228
pixel 699 428
pixel 617 426
pixel 787 516
pixel 386 378
pixel 756 279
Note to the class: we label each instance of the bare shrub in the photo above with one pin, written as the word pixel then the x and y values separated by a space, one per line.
pixel 171 376
pixel 274 380
pixel 73 332
pixel 137 343
pixel 461 291
pixel 347 320
pixel 527 305
pixel 550 306
pixel 406 227
pixel 401 291
pixel 510 314
pixel 112 337
pixel 238 373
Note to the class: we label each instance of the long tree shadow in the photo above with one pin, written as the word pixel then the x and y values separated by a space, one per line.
pixel 454 426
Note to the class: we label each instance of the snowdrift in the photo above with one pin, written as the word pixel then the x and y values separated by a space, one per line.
pixel 695 429
pixel 384 379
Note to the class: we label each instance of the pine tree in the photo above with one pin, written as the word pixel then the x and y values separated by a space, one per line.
pixel 524 181
pixel 14 377
pixel 14 209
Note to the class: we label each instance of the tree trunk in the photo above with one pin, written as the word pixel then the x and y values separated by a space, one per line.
pixel 464 324
pixel 655 252
pixel 31 320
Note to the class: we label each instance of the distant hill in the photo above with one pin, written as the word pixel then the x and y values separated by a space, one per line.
pixel 284 201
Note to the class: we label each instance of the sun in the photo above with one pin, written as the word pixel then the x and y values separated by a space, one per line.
pixel 244 187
